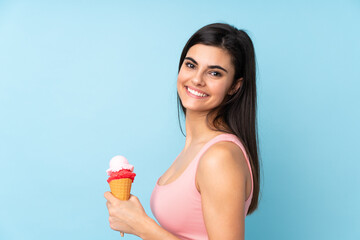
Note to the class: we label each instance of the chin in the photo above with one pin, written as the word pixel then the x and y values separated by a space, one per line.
pixel 196 108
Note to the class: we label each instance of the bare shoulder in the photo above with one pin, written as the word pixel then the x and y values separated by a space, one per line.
pixel 223 155
pixel 226 160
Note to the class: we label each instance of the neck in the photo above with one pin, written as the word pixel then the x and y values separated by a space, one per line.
pixel 197 128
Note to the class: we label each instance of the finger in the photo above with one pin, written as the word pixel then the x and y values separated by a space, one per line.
pixel 133 198
pixel 122 234
pixel 109 196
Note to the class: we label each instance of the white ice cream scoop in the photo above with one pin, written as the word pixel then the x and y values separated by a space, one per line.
pixel 118 163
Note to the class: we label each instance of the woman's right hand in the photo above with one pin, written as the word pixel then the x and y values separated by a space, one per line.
pixel 130 217
pixel 125 216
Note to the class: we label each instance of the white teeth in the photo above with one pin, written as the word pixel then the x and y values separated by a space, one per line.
pixel 196 93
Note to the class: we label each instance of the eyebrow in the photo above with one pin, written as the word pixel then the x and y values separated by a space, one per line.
pixel 210 66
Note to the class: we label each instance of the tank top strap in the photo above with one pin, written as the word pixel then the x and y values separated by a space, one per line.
pixel 225 137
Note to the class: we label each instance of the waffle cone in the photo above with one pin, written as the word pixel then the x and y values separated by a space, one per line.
pixel 120 188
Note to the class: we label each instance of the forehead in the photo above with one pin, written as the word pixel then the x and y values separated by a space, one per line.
pixel 210 55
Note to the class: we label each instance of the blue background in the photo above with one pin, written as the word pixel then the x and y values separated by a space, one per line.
pixel 82 81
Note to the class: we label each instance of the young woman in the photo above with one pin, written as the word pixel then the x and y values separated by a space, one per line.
pixel 214 182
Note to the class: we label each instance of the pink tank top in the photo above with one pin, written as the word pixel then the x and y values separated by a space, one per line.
pixel 177 205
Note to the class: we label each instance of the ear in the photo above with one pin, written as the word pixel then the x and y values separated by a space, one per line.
pixel 236 87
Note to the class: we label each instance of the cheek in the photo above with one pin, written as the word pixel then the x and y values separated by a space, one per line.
pixel 179 82
pixel 224 88
pixel 181 79
pixel 182 76
pixel 179 85
pixel 219 89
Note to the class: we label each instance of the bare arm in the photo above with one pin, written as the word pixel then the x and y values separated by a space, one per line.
pixel 221 180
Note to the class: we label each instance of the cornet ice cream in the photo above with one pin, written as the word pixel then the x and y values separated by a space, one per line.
pixel 121 176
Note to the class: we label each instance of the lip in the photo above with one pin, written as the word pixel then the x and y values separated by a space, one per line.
pixel 194 96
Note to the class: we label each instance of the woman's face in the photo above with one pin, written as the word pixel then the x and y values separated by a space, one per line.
pixel 205 78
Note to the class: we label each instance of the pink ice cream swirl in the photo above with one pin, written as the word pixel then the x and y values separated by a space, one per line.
pixel 120 168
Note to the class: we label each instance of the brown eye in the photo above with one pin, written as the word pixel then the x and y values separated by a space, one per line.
pixel 215 74
pixel 189 65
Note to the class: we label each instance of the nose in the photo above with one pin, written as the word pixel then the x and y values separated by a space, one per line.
pixel 198 79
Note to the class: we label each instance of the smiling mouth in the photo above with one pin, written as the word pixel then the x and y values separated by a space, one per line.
pixel 196 93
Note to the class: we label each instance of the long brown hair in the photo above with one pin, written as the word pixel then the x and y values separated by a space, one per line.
pixel 237 111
